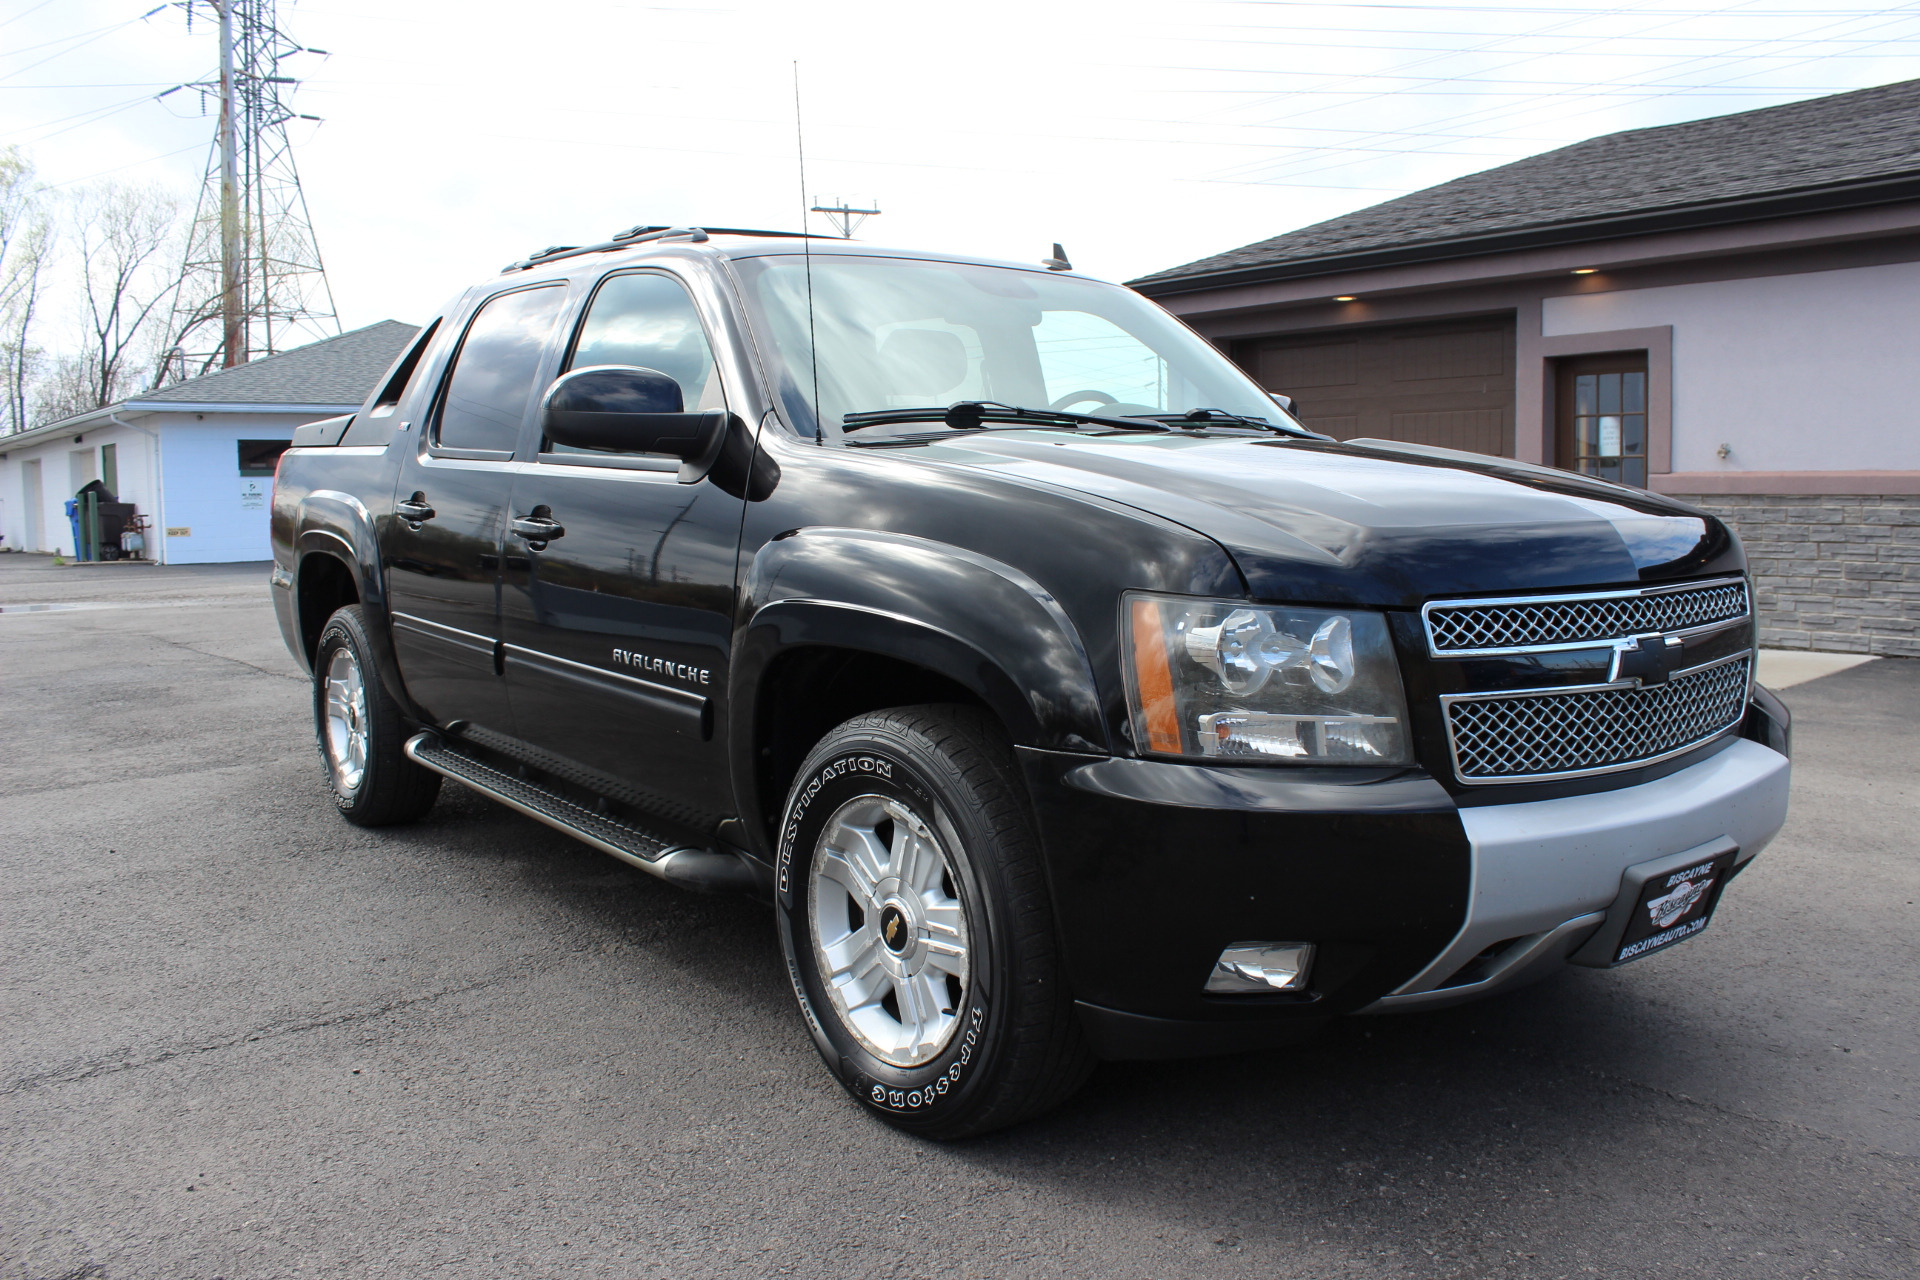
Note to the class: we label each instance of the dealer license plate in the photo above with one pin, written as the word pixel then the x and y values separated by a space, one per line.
pixel 1674 907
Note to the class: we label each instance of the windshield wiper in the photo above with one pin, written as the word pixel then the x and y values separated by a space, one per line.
pixel 976 415
pixel 1194 419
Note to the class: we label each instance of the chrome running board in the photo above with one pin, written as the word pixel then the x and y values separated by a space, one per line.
pixel 704 869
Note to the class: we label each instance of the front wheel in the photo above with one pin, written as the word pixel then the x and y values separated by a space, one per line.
pixel 361 732
pixel 914 916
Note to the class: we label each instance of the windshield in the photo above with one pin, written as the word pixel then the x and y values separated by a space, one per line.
pixel 900 332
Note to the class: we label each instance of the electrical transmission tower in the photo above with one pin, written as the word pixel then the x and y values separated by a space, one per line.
pixel 252 282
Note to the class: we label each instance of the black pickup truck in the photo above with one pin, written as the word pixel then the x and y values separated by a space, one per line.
pixel 1067 698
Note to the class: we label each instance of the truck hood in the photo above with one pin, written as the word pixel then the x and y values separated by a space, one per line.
pixel 1373 522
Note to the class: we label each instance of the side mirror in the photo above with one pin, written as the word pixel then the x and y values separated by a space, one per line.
pixel 1284 401
pixel 622 408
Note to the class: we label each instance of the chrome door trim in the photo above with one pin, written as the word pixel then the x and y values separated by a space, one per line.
pixel 686 698
pixel 441 631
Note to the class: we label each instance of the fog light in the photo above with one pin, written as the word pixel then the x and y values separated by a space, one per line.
pixel 1261 966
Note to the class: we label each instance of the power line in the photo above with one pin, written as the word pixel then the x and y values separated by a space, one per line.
pixel 93 113
pixel 1494 42
pixel 67 39
pixel 1544 53
pixel 100 34
pixel 1463 35
pixel 1558 12
pixel 1617 87
pixel 24 13
pixel 1633 92
pixel 131 84
pixel 1263 71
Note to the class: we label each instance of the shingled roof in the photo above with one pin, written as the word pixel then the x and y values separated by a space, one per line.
pixel 1842 151
pixel 333 371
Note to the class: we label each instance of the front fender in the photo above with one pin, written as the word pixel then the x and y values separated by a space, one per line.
pixel 980 622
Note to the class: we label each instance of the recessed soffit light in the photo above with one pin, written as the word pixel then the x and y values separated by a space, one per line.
pixel 1584 271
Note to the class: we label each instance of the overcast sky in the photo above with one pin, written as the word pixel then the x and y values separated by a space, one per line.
pixel 458 135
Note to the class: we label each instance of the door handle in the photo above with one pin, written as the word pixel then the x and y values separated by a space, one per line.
pixel 538 528
pixel 414 510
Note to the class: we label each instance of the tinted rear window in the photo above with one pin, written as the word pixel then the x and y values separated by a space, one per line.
pixel 492 381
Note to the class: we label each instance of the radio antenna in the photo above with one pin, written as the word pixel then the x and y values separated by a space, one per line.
pixel 806 250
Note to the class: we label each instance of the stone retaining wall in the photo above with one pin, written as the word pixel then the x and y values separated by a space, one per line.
pixel 1838 573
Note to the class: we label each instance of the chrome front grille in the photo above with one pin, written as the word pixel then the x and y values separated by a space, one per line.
pixel 1459 628
pixel 1507 737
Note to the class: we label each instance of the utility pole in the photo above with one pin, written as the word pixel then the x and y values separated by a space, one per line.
pixel 233 321
pixel 848 220
pixel 252 282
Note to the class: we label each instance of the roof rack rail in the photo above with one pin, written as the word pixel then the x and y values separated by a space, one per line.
pixel 770 235
pixel 640 235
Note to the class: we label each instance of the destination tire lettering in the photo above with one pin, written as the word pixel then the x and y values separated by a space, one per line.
pixel 871 766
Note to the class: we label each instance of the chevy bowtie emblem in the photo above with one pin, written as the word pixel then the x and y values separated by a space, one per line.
pixel 1645 659
pixel 893 929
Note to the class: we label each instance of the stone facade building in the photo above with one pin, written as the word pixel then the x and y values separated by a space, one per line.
pixel 1726 310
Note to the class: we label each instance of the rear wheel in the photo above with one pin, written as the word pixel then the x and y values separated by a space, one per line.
pixel 361 731
pixel 917 929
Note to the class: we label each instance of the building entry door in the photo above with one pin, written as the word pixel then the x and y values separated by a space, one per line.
pixel 34 530
pixel 1600 416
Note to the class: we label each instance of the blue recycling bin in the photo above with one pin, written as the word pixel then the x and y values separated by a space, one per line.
pixel 73 519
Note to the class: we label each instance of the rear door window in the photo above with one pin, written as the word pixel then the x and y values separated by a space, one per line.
pixel 492 382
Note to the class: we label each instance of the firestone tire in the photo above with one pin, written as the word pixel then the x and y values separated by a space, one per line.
pixel 361 733
pixel 917 929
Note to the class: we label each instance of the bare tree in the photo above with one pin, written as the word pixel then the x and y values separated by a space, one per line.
pixel 125 252
pixel 26 241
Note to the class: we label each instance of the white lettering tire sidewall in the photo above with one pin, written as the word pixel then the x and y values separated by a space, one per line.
pixel 931 1090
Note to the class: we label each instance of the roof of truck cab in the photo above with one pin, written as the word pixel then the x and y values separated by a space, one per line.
pixel 831 247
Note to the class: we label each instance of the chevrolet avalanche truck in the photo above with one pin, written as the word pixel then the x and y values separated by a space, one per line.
pixel 1066 697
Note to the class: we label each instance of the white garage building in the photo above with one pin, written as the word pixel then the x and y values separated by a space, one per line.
pixel 196 458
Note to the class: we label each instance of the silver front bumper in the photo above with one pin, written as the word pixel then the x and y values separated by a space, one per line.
pixel 1545 872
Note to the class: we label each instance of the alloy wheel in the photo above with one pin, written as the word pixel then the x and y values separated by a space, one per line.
pixel 889 930
pixel 347 736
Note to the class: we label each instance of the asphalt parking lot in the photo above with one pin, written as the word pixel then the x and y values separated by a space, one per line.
pixel 243 1039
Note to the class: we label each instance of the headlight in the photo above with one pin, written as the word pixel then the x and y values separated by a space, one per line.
pixel 1263 683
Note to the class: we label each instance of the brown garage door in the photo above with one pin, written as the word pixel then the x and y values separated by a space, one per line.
pixel 1447 384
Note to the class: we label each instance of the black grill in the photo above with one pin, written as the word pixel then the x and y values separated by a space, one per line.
pixel 1508 738
pixel 1520 623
